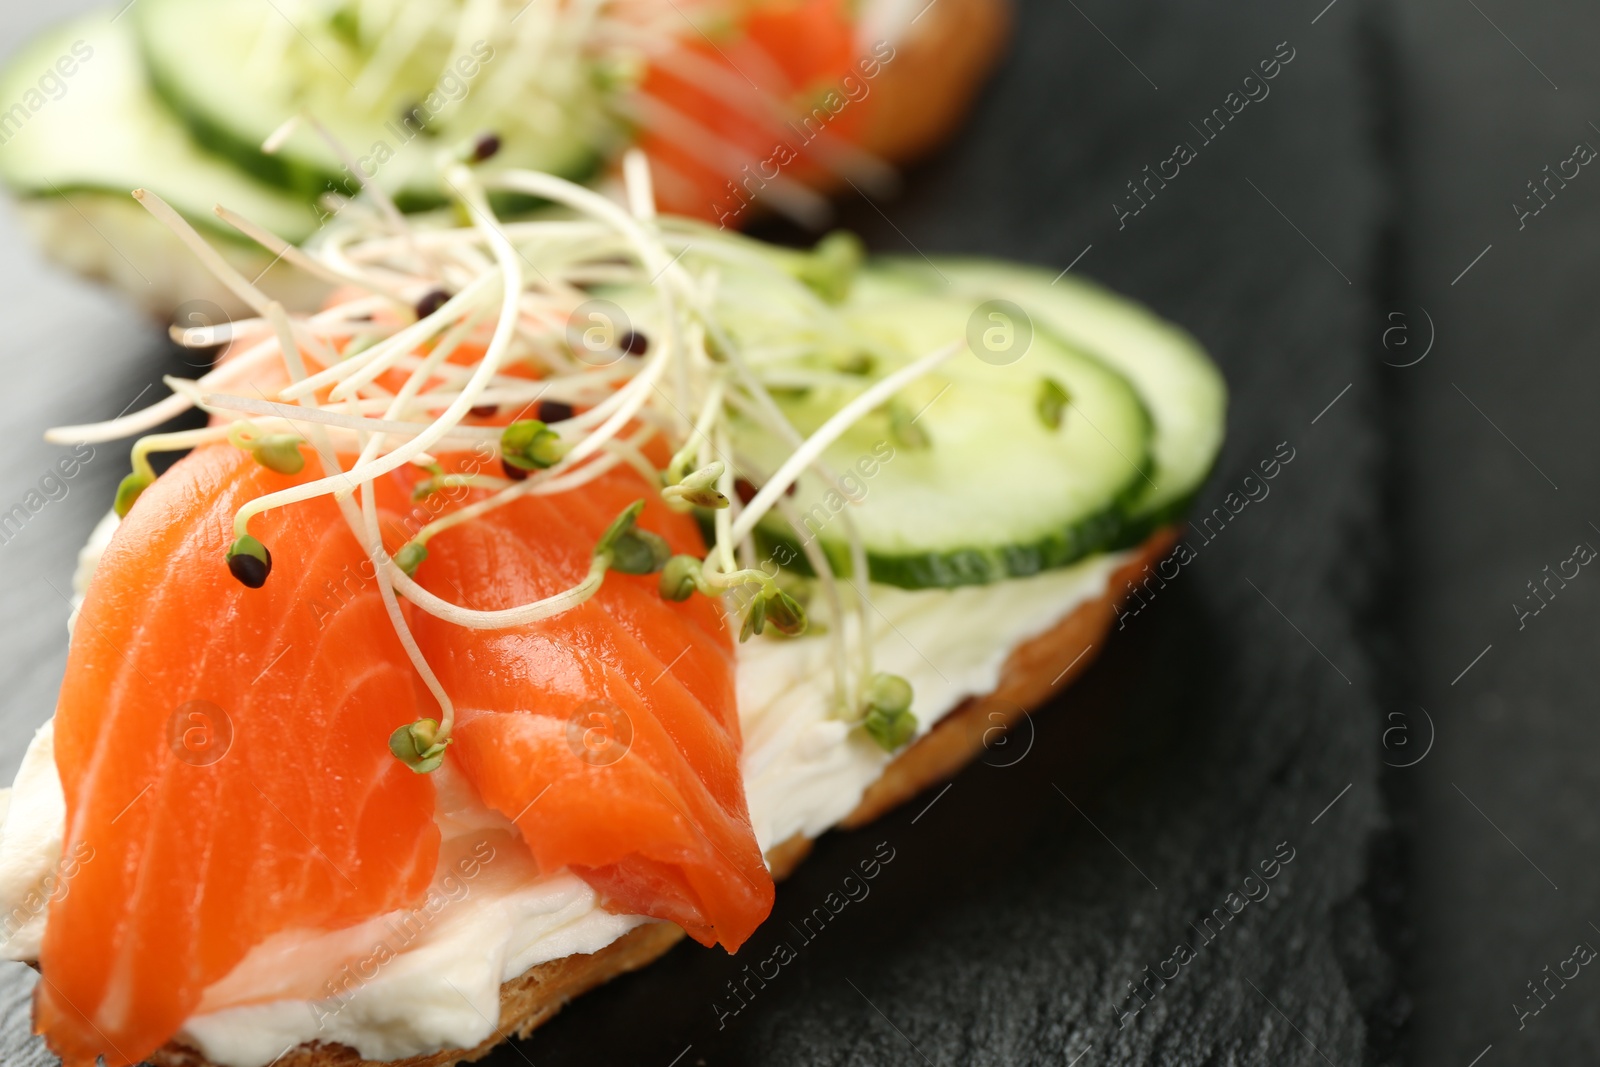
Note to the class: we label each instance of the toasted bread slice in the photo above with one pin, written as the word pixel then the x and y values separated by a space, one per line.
pixel 1031 675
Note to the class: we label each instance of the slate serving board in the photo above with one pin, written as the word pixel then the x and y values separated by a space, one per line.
pixel 1500 461
pixel 1232 724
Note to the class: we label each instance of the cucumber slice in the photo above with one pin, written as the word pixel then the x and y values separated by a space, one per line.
pixel 978 487
pixel 235 70
pixel 996 493
pixel 107 134
pixel 1183 390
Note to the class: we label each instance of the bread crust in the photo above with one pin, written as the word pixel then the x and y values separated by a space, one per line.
pixel 1032 673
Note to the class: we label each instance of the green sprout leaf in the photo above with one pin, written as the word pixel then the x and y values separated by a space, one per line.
pixel 890 729
pixel 410 557
pixel 904 429
pixel 1052 403
pixel 889 692
pixel 529 445
pixel 680 578
pixel 622 522
pixel 418 747
pixel 785 614
pixel 755 619
pixel 859 364
pixel 632 550
pixel 699 488
pixel 889 721
pixel 640 552
pixel 279 452
pixel 830 270
pixel 128 491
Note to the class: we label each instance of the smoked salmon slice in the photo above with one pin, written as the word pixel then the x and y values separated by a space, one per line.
pixel 223 752
pixel 609 733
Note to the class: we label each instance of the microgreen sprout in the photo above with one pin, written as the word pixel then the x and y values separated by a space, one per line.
pixel 698 489
pixel 755 619
pixel 249 561
pixel 830 270
pixel 143 474
pixel 888 718
pixel 410 557
pixel 448 323
pixel 785 613
pixel 275 451
pixel 419 745
pixel 681 577
pixel 630 550
pixel 133 483
pixel 903 426
pixel 1052 403
pixel 530 445
pixel 857 363
pixel 772 605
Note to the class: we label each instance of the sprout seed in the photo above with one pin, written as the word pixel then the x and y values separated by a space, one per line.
pixel 250 562
pixel 554 411
pixel 431 301
pixel 485 147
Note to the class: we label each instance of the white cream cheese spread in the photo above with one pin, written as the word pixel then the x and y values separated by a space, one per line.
pixel 413 982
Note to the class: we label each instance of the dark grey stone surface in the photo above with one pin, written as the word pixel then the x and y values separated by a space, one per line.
pixel 1498 452
pixel 1288 662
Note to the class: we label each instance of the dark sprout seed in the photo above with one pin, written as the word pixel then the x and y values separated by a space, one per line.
pixel 250 571
pixel 634 343
pixel 516 474
pixel 747 489
pixel 485 147
pixel 485 411
pixel 554 411
pixel 431 302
